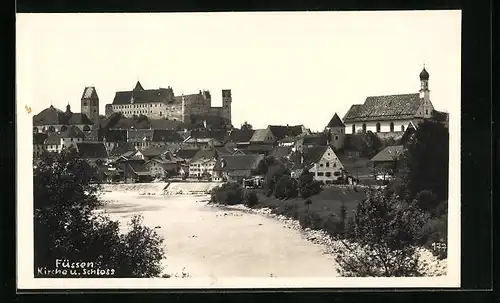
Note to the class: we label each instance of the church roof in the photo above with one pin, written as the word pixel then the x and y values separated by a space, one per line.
pixel 390 107
pixel 335 122
pixel 48 116
pixel 89 93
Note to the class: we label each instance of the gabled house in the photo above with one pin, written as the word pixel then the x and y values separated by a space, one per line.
pixel 162 168
pixel 240 137
pixel 202 163
pixel 186 154
pixel 235 168
pixel 205 139
pixel 120 149
pixel 321 161
pixel 309 141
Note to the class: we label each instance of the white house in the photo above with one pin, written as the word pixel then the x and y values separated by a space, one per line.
pixel 322 162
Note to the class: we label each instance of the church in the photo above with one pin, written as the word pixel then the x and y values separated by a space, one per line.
pixel 161 103
pixel 390 115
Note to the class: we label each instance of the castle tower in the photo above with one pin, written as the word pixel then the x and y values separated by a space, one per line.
pixel 90 104
pixel 226 104
pixel 426 107
pixel 335 132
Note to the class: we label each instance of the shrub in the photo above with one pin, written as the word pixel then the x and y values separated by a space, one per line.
pixel 426 200
pixel 308 186
pixel 384 237
pixel 66 226
pixel 285 188
pixel 251 199
pixel 275 171
pixel 228 193
pixel 435 231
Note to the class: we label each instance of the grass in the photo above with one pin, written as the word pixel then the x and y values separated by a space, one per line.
pixel 322 213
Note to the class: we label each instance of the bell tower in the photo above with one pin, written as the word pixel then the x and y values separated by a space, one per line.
pixel 426 107
pixel 90 104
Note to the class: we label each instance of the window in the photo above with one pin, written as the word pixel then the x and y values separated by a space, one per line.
pixel 71 139
pixel 86 128
pixel 378 127
pixel 391 127
pixel 334 164
pixel 64 128
pixel 328 174
pixel 320 174
pixel 402 128
pixel 354 128
pixel 426 112
pixel 327 164
pixel 364 127
pixel 321 165
pixel 336 137
pixel 84 103
pixel 336 174
pixel 160 114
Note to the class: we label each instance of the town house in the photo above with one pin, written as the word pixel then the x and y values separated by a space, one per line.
pixel 321 161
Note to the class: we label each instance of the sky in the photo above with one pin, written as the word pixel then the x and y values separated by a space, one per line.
pixel 283 68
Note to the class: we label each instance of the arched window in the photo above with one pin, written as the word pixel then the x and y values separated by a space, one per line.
pixel 391 127
pixel 402 128
pixel 64 128
pixel 86 128
pixel 364 127
pixel 378 127
pixel 354 128
pixel 52 129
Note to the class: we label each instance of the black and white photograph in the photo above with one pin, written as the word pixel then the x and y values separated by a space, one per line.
pixel 238 149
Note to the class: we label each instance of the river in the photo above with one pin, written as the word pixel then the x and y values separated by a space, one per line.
pixel 210 242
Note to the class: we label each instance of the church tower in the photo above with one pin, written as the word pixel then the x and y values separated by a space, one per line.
pixel 90 104
pixel 226 104
pixel 426 107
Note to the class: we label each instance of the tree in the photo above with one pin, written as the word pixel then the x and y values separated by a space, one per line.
pixel 383 238
pixel 285 188
pixel 426 160
pixel 308 186
pixel 366 143
pixel 67 227
pixel 246 126
pixel 274 173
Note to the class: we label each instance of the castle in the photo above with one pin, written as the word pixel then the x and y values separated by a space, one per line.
pixel 161 103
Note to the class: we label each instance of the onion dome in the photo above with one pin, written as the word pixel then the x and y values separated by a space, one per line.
pixel 424 75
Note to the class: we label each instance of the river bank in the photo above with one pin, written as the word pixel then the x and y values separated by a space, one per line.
pixel 203 241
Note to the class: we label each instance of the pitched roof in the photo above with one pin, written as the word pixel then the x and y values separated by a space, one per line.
pixel 238 162
pixel 165 124
pixel 166 135
pixel 73 132
pixel 221 151
pixel 390 153
pixel 259 135
pixel 335 122
pixel 139 135
pixel 218 135
pixel 139 168
pixel 314 154
pixel 164 95
pixel 391 107
pixel 138 86
pixel 89 93
pixel 88 150
pixel 319 140
pixel 121 149
pixel 281 151
pixel 280 131
pixel 155 151
pixel 204 154
pixel 257 148
pixel 238 135
pixel 186 153
pixel 116 135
